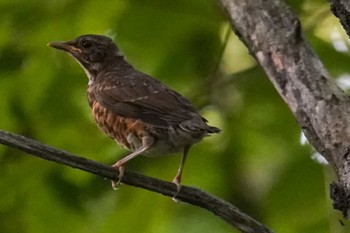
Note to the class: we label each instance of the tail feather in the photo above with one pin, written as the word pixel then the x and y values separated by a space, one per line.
pixel 213 129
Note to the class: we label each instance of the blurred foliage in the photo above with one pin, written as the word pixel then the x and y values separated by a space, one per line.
pixel 257 163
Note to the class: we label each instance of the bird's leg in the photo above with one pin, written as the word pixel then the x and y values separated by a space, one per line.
pixel 146 144
pixel 177 178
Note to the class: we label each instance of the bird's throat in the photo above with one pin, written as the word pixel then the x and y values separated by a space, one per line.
pixel 91 70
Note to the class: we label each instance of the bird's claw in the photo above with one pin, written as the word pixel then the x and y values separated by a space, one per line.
pixel 177 182
pixel 115 184
pixel 120 168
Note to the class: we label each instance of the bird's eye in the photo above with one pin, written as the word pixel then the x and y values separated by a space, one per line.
pixel 86 44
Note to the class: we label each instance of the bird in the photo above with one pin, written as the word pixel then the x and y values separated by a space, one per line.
pixel 134 109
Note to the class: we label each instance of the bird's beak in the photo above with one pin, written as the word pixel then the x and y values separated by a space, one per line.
pixel 65 46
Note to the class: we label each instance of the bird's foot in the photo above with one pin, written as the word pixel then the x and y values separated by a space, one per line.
pixel 177 182
pixel 120 168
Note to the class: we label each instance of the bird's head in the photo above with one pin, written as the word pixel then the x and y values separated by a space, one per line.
pixel 91 51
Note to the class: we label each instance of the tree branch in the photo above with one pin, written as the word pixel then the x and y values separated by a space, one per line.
pixel 193 196
pixel 341 9
pixel 273 35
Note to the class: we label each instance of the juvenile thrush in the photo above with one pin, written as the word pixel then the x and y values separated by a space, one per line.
pixel 134 109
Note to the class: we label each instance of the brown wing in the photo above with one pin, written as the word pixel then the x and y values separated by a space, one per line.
pixel 139 96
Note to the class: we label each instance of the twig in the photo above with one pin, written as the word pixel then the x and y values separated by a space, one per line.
pixel 193 196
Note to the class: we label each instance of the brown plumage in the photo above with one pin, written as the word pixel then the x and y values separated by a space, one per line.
pixel 134 109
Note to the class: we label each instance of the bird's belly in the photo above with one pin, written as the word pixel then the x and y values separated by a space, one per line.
pixel 130 133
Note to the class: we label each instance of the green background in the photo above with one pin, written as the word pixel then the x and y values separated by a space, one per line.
pixel 257 163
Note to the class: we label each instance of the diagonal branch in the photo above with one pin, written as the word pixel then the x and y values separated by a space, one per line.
pixel 273 35
pixel 193 196
pixel 341 9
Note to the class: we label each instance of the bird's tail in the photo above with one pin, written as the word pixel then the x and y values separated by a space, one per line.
pixel 213 129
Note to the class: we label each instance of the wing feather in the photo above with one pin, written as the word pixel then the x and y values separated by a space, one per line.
pixel 139 96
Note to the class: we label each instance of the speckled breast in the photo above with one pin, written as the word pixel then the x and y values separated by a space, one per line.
pixel 125 131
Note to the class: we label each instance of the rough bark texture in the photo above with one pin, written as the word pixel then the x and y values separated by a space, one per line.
pixel 273 35
pixel 341 9
pixel 193 196
pixel 341 196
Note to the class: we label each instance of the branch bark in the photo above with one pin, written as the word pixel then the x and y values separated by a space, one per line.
pixel 341 9
pixel 273 35
pixel 193 196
